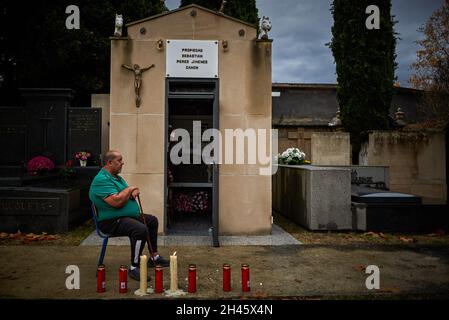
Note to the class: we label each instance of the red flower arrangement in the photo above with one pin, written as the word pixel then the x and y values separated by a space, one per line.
pixel 194 203
pixel 40 163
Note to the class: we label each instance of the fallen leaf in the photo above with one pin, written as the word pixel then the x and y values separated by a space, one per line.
pixel 390 290
pixel 407 240
pixel 299 281
pixel 382 235
pixel 360 268
pixel 50 237
pixel 4 235
pixel 259 294
pixel 371 234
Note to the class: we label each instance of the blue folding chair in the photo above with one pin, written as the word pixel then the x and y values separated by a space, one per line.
pixel 102 235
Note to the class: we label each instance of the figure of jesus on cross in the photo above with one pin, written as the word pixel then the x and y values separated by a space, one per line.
pixel 137 79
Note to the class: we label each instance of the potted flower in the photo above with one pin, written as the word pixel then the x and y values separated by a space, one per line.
pixel 82 156
pixel 292 156
pixel 40 164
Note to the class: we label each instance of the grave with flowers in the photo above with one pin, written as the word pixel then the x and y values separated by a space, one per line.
pixel 43 186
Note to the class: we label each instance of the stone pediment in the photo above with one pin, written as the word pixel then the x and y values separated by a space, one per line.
pixel 191 22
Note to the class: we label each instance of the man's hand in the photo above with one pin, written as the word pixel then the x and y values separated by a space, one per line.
pixel 120 199
pixel 135 193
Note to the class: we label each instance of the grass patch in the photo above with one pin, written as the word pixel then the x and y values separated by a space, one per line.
pixel 76 236
pixel 71 238
pixel 349 237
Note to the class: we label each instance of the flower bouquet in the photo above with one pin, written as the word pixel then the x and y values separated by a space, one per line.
pixel 192 203
pixel 40 164
pixel 292 156
pixel 82 156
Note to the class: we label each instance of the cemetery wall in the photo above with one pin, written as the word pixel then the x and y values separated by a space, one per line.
pixel 417 162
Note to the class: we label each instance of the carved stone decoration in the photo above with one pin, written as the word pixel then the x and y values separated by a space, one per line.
pixel 225 45
pixel 265 27
pixel 335 121
pixel 223 4
pixel 164 7
pixel 399 117
pixel 118 25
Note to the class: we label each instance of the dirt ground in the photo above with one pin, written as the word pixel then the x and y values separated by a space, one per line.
pixel 328 265
pixel 293 272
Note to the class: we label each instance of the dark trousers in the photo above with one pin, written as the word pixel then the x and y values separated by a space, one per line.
pixel 136 231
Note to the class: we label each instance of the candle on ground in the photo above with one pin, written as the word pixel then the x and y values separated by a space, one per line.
pixel 143 274
pixel 173 272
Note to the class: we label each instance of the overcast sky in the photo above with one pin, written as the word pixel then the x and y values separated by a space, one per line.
pixel 301 28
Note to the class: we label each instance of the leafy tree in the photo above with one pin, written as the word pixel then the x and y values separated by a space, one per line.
pixel 39 51
pixel 432 65
pixel 245 10
pixel 365 64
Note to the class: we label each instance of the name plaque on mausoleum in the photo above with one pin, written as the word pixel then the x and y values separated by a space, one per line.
pixel 192 59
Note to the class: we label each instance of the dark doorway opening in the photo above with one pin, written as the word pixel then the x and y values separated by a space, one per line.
pixel 192 187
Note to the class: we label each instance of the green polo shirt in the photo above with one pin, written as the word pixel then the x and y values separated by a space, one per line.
pixel 104 185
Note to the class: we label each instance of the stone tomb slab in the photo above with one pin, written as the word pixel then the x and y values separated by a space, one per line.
pixel 84 134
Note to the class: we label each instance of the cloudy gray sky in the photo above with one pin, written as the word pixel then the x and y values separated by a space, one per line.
pixel 301 28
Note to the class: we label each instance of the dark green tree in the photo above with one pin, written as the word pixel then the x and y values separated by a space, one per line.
pixel 39 51
pixel 365 65
pixel 245 10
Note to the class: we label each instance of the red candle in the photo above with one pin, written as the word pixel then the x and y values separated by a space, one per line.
pixel 158 280
pixel 226 277
pixel 101 279
pixel 192 279
pixel 245 278
pixel 123 279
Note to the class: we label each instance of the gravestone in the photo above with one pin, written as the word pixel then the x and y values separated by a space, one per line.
pixel 84 134
pixel 46 111
pixel 54 206
pixel 13 136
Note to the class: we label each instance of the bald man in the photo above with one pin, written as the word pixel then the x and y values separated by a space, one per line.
pixel 119 213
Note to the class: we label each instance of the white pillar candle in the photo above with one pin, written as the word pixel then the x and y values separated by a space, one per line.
pixel 143 274
pixel 173 272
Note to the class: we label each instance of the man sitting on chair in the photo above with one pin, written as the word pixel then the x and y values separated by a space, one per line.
pixel 119 213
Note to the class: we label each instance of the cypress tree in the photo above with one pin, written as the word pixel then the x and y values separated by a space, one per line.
pixel 365 64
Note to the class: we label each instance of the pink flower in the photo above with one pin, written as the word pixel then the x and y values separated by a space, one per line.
pixel 40 163
pixel 196 202
pixel 82 155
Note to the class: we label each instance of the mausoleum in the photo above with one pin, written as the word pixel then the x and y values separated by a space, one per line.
pixel 193 69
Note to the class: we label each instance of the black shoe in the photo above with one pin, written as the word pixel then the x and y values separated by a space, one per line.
pixel 160 261
pixel 135 274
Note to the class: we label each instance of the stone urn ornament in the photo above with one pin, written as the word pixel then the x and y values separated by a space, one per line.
pixel 118 25
pixel 265 27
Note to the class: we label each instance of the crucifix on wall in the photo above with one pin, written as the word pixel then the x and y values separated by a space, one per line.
pixel 137 79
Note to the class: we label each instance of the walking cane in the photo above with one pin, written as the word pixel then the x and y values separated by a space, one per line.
pixel 150 248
